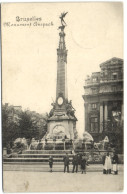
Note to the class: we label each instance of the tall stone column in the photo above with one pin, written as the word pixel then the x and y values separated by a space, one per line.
pixel 86 116
pixel 61 117
pixel 101 117
pixel 122 111
pixel 62 66
pixel 105 112
pixel 105 116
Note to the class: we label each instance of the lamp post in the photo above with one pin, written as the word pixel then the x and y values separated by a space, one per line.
pixel 83 145
pixel 54 140
pixel 64 143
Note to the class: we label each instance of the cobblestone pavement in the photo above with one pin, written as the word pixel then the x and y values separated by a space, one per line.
pixel 18 181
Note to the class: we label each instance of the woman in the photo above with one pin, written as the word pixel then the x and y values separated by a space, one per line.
pixel 103 162
pixel 108 164
pixel 115 163
pixel 83 164
pixel 50 163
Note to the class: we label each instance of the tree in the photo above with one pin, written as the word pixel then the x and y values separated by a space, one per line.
pixel 10 128
pixel 33 124
pixel 25 125
pixel 19 123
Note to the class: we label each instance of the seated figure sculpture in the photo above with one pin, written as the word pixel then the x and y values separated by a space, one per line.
pixel 70 109
pixel 52 110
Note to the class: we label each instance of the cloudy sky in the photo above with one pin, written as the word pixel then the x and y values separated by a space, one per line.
pixel 94 34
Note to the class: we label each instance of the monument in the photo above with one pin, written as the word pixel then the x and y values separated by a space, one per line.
pixel 62 120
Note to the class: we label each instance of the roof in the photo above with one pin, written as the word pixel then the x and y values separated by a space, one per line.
pixel 113 61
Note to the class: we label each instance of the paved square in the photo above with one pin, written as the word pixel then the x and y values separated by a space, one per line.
pixel 18 181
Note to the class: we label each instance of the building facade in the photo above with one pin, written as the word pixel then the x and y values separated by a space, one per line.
pixel 103 100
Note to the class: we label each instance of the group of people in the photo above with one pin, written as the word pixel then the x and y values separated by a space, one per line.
pixel 110 164
pixel 78 160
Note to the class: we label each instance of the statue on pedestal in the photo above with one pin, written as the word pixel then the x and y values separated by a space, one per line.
pixel 70 109
pixel 62 20
pixel 52 110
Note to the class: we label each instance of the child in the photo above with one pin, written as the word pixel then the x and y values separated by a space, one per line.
pixel 50 163
pixel 83 164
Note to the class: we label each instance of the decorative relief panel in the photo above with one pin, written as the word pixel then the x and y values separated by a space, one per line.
pixel 105 88
pixel 90 91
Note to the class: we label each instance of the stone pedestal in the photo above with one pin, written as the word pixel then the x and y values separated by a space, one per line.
pixel 61 127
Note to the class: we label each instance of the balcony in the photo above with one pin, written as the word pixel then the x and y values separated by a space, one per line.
pixel 91 83
pixel 105 80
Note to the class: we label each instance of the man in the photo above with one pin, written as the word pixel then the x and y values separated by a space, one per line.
pixel 83 164
pixel 115 163
pixel 66 163
pixel 103 162
pixel 50 163
pixel 75 163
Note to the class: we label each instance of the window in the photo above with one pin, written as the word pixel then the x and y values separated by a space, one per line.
pixel 115 104
pixel 114 89
pixel 102 73
pixel 94 79
pixel 94 91
pixel 106 72
pixel 114 76
pixel 94 106
pixel 94 124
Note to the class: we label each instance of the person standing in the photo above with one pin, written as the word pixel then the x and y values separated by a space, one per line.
pixel 115 163
pixel 75 163
pixel 103 162
pixel 50 163
pixel 108 164
pixel 79 160
pixel 66 163
pixel 83 164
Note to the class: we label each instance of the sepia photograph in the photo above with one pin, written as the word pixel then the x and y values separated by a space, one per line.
pixel 62 97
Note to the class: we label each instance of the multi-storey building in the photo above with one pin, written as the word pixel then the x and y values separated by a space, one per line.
pixel 13 113
pixel 103 100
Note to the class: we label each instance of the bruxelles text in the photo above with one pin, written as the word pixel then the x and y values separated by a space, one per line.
pixel 28 19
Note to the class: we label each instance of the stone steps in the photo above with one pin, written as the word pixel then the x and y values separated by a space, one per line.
pixel 37 156
pixel 47 152
pixel 42 155
pixel 32 159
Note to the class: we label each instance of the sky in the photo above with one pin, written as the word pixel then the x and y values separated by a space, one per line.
pixel 94 34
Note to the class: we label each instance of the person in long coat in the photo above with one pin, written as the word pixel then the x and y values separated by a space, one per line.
pixel 103 162
pixel 115 163
pixel 108 164
pixel 83 164
pixel 50 163
pixel 75 163
pixel 66 163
